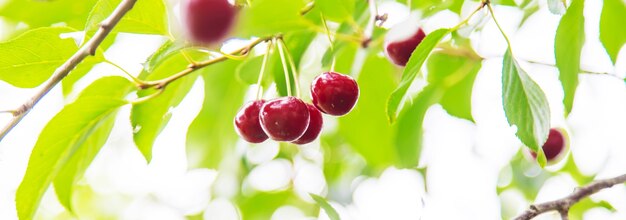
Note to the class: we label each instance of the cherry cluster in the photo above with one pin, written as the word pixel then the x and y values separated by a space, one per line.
pixel 292 120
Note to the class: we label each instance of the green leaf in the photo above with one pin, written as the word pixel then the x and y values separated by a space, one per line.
pixel 73 170
pixel 261 205
pixel 412 68
pixel 504 2
pixel 430 7
pixel 212 135
pixel 30 59
pixel 168 49
pixel 409 130
pixel 45 13
pixel 336 10
pixel 365 128
pixel 79 125
pixel 568 45
pixel 612 32
pixel 80 71
pixel 455 74
pixel 146 17
pixel 258 20
pixel 150 117
pixel 248 71
pixel 525 105
pixel 330 211
pixel 76 166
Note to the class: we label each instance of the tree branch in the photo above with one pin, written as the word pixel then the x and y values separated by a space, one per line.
pixel 563 205
pixel 88 49
pixel 160 84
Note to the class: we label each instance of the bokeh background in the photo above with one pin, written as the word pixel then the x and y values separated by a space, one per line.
pixel 467 170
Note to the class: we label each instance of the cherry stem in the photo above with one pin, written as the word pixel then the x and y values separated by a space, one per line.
pixel 234 57
pixel 508 42
pixel 330 40
pixel 147 98
pixel 259 93
pixel 187 57
pixel 294 70
pixel 199 65
pixel 466 20
pixel 285 69
pixel 136 80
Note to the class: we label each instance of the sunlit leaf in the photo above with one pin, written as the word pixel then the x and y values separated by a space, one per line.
pixel 261 205
pixel 258 21
pixel 168 49
pixel 525 105
pixel 455 74
pixel 248 71
pixel 30 59
pixel 366 128
pixel 430 7
pixel 79 125
pixel 212 134
pixel 336 10
pixel 150 117
pixel 330 211
pixel 73 170
pixel 146 17
pixel 568 45
pixel 412 69
pixel 408 140
pixel 45 13
pixel 612 31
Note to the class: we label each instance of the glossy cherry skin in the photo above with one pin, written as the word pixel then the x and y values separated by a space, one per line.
pixel 247 122
pixel 555 146
pixel 314 128
pixel 334 93
pixel 399 52
pixel 208 21
pixel 284 119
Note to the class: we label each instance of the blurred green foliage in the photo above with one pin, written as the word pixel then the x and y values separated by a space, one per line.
pixel 384 129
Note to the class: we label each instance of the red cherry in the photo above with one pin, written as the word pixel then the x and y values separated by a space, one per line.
pixel 402 39
pixel 334 93
pixel 208 21
pixel 555 146
pixel 315 126
pixel 247 122
pixel 284 119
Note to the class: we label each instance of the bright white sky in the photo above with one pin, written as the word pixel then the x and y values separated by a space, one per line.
pixel 462 171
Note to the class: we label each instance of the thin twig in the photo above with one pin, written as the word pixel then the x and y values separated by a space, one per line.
pixel 88 49
pixel 158 84
pixel 563 205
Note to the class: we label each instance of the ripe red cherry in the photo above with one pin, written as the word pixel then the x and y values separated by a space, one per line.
pixel 555 147
pixel 208 21
pixel 334 93
pixel 402 39
pixel 247 122
pixel 284 119
pixel 315 126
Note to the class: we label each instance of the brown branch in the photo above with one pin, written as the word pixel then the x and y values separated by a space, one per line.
pixel 88 49
pixel 563 205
